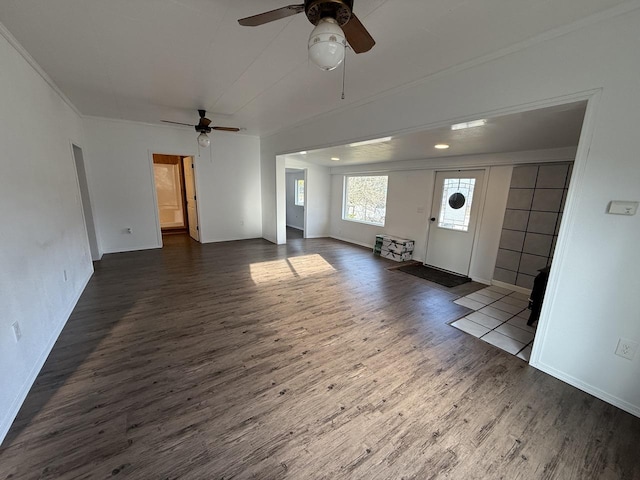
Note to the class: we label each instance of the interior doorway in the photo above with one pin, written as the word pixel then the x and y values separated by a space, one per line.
pixel 87 211
pixel 457 197
pixel 176 195
pixel 295 202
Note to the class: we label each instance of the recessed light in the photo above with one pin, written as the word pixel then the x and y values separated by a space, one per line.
pixel 441 146
pixel 335 159
pixel 304 152
pixel 370 142
pixel 473 123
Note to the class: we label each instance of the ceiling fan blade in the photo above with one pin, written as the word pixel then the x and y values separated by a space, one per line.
pixel 226 129
pixel 205 122
pixel 270 16
pixel 179 123
pixel 358 36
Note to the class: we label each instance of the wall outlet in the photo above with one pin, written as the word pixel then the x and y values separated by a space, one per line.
pixel 626 348
pixel 16 331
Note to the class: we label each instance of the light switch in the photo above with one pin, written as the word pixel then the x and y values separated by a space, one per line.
pixel 622 208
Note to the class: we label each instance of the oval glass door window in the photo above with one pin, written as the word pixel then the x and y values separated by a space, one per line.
pixel 457 200
pixel 455 203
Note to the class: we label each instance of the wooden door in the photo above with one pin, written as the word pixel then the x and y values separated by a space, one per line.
pixel 190 191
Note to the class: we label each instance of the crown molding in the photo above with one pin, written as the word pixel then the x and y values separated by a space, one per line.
pixel 13 41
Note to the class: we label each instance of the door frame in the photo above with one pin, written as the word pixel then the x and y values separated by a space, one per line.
pixel 160 151
pixel 183 198
pixel 281 191
pixel 481 204
pixel 98 251
pixel 304 171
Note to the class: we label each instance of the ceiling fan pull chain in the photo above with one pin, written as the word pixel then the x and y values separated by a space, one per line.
pixel 344 73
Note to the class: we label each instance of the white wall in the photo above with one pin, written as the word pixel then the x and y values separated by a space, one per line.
pixel 409 195
pixel 44 232
pixel 491 217
pixel 595 279
pixel 229 197
pixel 317 199
pixel 295 213
pixel 121 180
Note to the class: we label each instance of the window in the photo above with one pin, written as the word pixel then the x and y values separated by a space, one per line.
pixel 299 199
pixel 455 206
pixel 365 199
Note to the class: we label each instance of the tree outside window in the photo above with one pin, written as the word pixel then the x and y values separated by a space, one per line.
pixel 365 199
pixel 299 198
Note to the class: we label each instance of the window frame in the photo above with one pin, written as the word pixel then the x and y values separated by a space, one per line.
pixel 470 198
pixel 345 193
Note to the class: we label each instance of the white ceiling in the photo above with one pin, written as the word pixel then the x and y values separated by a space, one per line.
pixel 544 128
pixel 148 60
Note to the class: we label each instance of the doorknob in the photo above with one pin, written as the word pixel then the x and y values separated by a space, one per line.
pixel 433 219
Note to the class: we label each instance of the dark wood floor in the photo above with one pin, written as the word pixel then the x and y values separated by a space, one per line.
pixel 312 360
pixel 294 233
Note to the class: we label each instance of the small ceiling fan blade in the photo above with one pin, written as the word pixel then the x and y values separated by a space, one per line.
pixel 226 129
pixel 270 16
pixel 179 123
pixel 205 122
pixel 358 36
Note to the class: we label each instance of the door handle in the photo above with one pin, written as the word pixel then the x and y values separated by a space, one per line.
pixel 433 219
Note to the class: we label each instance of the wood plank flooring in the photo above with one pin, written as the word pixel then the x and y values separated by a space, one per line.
pixel 246 360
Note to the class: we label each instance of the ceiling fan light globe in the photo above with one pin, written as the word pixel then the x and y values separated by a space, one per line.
pixel 327 44
pixel 203 140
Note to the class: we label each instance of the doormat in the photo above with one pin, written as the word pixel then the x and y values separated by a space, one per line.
pixel 434 275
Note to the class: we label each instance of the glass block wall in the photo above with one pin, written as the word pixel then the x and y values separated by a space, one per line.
pixel 531 221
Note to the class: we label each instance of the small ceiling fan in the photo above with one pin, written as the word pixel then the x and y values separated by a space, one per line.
pixel 335 25
pixel 204 126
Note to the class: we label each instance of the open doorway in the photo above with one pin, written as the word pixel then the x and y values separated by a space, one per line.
pixel 295 201
pixel 86 202
pixel 176 195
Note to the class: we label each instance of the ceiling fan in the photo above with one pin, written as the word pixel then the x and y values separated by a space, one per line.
pixel 335 25
pixel 204 126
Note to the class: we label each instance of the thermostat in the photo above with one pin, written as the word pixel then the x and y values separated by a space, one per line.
pixel 617 207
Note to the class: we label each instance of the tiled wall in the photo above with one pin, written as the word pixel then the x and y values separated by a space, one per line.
pixel 531 221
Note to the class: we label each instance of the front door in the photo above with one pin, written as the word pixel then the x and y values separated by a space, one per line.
pixel 190 191
pixel 456 201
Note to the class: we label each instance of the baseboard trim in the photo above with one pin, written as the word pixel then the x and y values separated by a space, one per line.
pixel 590 389
pixel 508 286
pixel 133 249
pixel 370 245
pixel 366 245
pixel 295 227
pixel 484 281
pixel 7 421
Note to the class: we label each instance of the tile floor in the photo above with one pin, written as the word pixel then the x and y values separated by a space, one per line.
pixel 500 318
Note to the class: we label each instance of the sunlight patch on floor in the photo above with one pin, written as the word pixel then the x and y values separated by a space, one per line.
pixel 289 268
